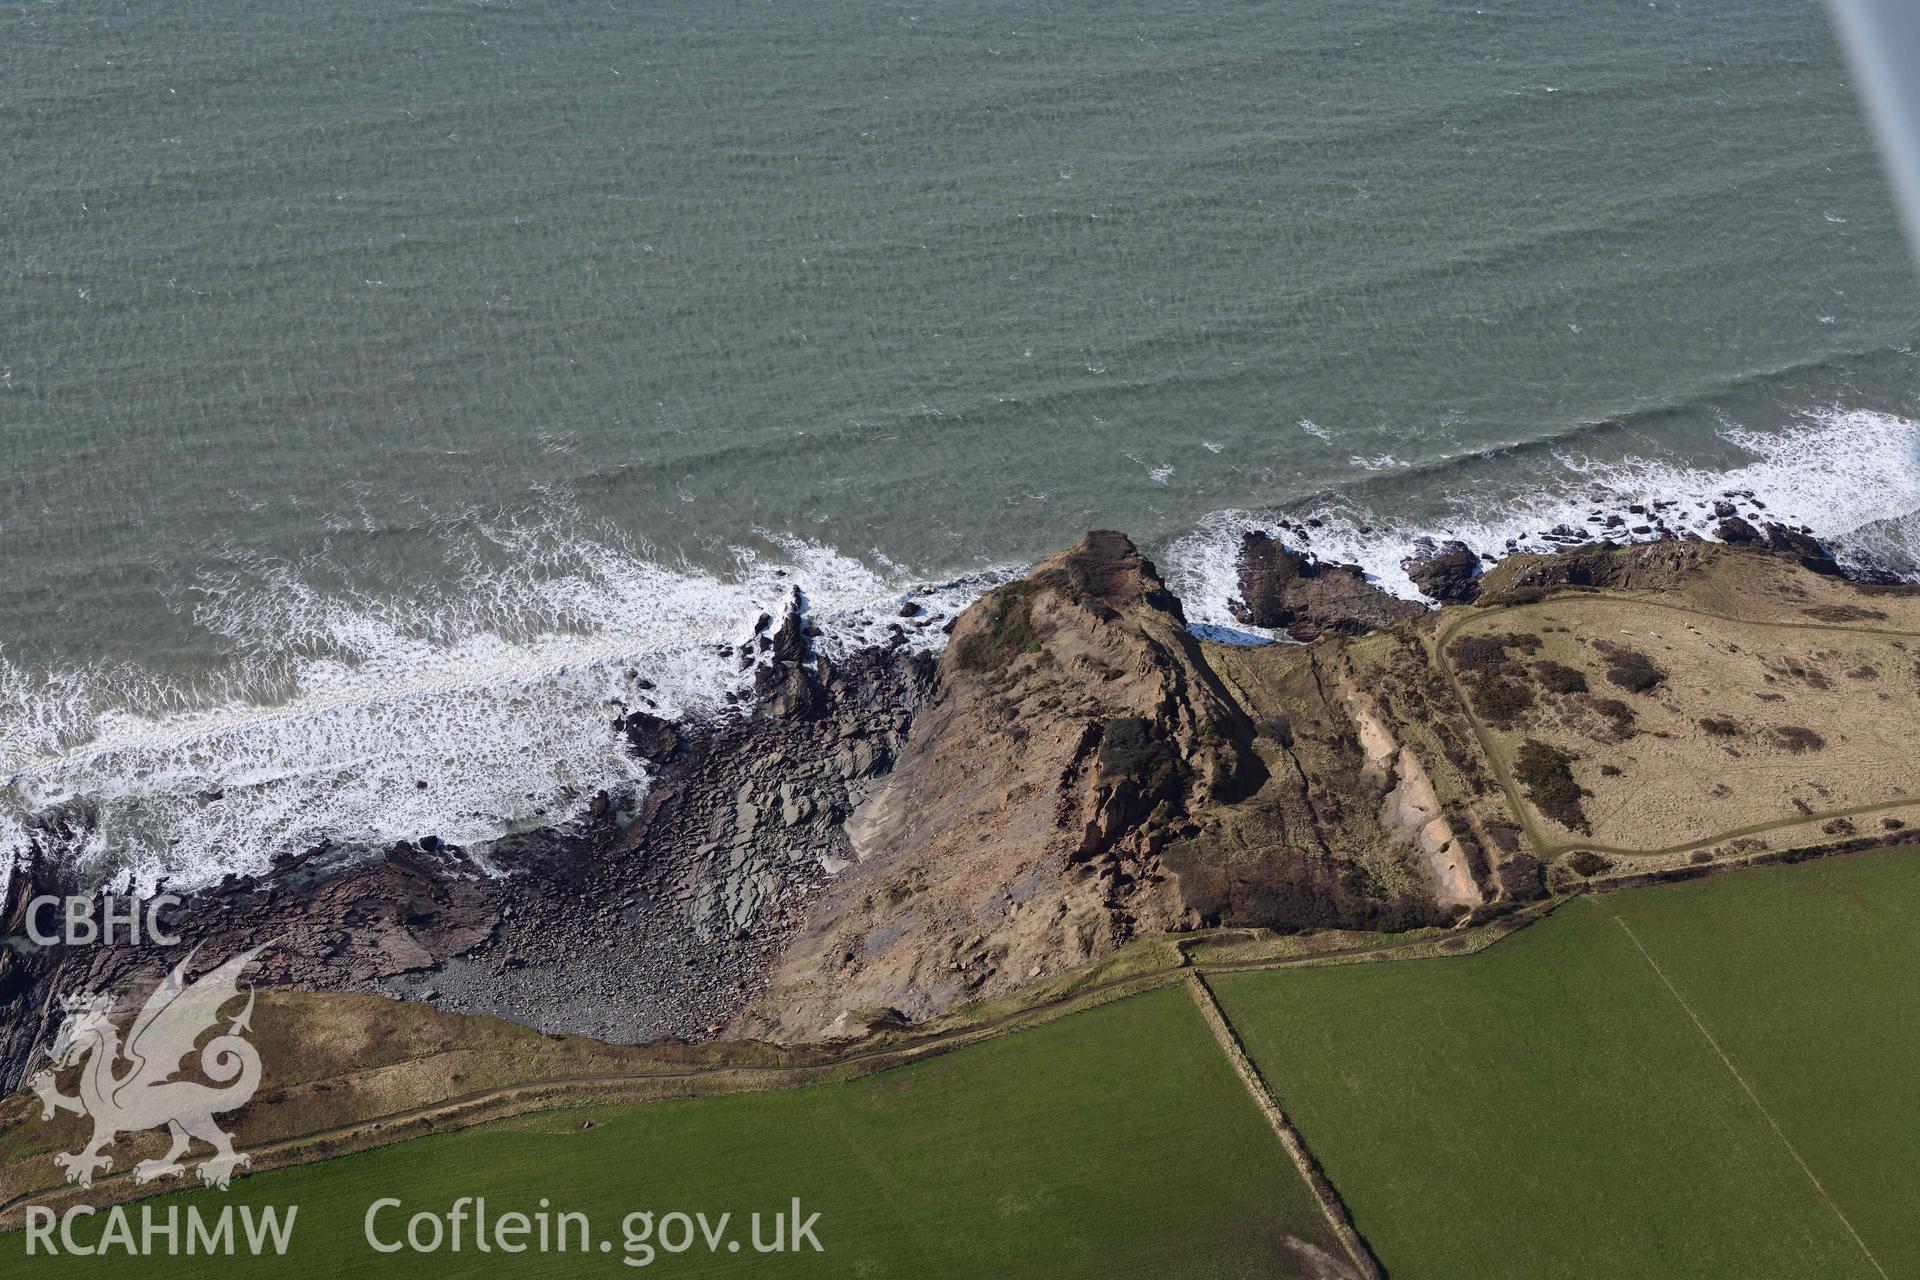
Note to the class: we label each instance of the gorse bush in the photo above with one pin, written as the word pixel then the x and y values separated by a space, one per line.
pixel 1130 748
pixel 1501 701
pixel 1496 685
pixel 1474 653
pixel 1489 652
pixel 1620 717
pixel 1796 739
pixel 1629 668
pixel 1547 774
pixel 1009 632
pixel 1558 677
pixel 1588 863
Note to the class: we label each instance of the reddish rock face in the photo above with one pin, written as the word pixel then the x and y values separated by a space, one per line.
pixel 1307 597
pixel 1075 729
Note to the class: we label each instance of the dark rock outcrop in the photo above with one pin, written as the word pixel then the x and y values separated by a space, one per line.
pixel 1307 597
pixel 1448 573
pixel 1802 547
pixel 1647 566
pixel 650 737
pixel 1783 540
pixel 1651 566
pixel 783 683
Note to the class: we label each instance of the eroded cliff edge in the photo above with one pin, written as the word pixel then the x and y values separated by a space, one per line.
pixel 881 838
pixel 1086 771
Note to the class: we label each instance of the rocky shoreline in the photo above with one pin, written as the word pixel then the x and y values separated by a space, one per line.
pixel 626 926
pixel 755 875
pixel 1287 587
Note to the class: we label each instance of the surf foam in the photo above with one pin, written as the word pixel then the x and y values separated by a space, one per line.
pixel 1851 475
pixel 498 691
pixel 481 708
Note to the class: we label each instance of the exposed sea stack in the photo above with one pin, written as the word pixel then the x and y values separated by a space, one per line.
pixel 1448 573
pixel 1307 597
pixel 1076 729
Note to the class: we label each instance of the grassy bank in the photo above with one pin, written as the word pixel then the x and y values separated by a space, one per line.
pixel 1111 1142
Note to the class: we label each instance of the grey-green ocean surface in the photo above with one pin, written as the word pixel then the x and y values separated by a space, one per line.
pixel 381 383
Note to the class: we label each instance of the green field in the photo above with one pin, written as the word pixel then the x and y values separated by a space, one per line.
pixel 1556 1105
pixel 1809 980
pixel 1548 1107
pixel 1114 1142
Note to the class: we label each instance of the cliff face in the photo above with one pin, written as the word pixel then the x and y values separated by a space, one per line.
pixel 876 839
pixel 1075 731
pixel 1086 770
pixel 879 839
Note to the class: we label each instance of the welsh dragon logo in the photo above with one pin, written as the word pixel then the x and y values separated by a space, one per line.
pixel 146 1094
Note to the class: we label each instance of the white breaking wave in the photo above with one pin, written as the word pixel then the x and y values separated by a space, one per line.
pixel 485 708
pixel 498 693
pixel 1840 471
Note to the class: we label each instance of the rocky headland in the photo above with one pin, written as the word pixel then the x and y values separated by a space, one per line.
pixel 879 839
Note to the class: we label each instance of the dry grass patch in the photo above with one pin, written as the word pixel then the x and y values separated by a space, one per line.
pixel 1704 726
